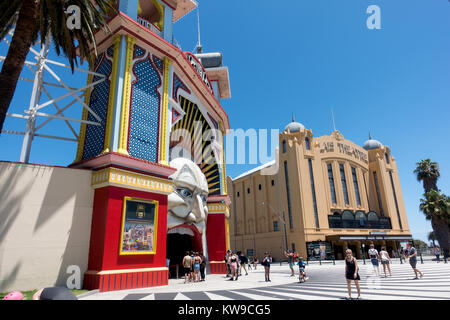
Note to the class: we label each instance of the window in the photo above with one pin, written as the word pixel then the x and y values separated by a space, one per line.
pixel 259 187
pixel 395 199
pixel 307 144
pixel 288 193
pixel 355 184
pixel 248 190
pixel 344 183
pixel 377 188
pixel 275 226
pixel 293 246
pixel 387 157
pixel 284 146
pixel 331 179
pixel 273 182
pixel 238 194
pixel 313 190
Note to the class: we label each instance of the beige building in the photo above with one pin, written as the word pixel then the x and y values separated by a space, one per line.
pixel 331 193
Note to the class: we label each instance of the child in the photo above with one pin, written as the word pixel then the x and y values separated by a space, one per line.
pixel 301 266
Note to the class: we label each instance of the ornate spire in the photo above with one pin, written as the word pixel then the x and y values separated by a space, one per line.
pixel 293 118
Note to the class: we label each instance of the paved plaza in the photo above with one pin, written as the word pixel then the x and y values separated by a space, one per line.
pixel 326 282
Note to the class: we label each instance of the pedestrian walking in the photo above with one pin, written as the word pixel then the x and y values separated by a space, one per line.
pixel 267 260
pixel 351 273
pixel 385 261
pixel 301 268
pixel 187 261
pixel 234 266
pixel 373 255
pixel 244 261
pixel 290 256
pixel 197 262
pixel 437 253
pixel 412 255
pixel 202 267
pixel 250 262
pixel 402 254
pixel 227 261
pixel 255 262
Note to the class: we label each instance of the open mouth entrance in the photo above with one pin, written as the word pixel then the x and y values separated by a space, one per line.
pixel 179 240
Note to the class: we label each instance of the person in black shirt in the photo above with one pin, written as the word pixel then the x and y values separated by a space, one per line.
pixel 351 273
pixel 244 262
pixel 202 267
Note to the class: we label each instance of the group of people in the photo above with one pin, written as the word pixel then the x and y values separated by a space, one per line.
pixel 351 265
pixel 292 258
pixel 238 262
pixel 194 264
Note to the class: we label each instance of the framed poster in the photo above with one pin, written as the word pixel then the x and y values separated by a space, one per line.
pixel 139 226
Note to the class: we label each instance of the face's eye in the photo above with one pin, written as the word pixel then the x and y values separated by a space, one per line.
pixel 186 193
pixel 204 199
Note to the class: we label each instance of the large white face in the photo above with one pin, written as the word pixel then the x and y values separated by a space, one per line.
pixel 187 203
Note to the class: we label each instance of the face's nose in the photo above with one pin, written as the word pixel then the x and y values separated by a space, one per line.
pixel 200 211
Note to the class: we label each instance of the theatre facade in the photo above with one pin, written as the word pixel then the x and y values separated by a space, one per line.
pixel 324 195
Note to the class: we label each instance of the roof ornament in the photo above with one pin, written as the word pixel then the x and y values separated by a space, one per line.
pixel 198 47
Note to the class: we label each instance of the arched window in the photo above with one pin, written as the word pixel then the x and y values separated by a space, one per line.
pixel 284 146
pixel 348 219
pixel 360 216
pixel 372 216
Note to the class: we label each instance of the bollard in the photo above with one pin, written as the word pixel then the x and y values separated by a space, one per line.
pixel 334 261
pixel 320 260
pixel 177 270
pixel 421 260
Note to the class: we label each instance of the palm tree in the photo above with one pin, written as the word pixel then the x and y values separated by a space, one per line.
pixel 432 237
pixel 427 172
pixel 436 208
pixel 46 18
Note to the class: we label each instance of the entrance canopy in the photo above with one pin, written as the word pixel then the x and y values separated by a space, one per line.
pixel 374 236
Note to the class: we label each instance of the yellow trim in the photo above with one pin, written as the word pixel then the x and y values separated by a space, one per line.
pixel 224 176
pixel 217 208
pixel 118 177
pixel 227 230
pixel 112 94
pixel 125 115
pixel 95 272
pixel 160 9
pixel 155 226
pixel 164 113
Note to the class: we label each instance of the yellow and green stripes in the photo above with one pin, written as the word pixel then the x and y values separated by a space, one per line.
pixel 112 93
pixel 163 158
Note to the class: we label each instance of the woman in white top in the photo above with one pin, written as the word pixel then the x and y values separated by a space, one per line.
pixel 385 261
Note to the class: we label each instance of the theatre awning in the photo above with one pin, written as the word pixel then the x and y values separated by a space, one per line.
pixel 370 237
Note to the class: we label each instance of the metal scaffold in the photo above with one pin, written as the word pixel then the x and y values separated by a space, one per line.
pixel 38 68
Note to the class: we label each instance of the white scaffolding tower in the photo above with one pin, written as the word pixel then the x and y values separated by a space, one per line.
pixel 40 87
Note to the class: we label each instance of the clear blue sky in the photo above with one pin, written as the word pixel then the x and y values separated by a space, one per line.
pixel 306 57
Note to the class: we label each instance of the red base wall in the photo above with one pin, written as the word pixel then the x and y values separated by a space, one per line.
pixel 105 243
pixel 123 281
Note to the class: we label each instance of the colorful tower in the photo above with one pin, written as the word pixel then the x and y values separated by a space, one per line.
pixel 154 97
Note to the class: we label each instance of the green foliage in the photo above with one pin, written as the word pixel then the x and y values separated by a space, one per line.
pixel 52 21
pixel 419 244
pixel 435 204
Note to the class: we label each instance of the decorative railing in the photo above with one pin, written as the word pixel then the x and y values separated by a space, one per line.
pixel 147 24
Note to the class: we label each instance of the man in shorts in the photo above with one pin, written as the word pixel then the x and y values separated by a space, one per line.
pixel 373 255
pixel 412 255
pixel 187 263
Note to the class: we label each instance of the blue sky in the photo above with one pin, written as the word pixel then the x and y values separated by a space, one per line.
pixel 308 57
